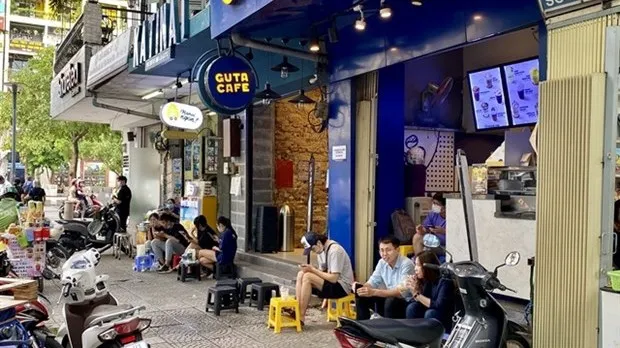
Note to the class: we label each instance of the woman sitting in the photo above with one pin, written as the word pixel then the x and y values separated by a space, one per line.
pixel 433 295
pixel 150 232
pixel 203 239
pixel 224 254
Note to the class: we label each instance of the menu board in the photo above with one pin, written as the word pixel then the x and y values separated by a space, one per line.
pixel 488 99
pixel 522 80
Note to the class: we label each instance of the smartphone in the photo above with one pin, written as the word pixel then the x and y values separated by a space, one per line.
pixel 358 286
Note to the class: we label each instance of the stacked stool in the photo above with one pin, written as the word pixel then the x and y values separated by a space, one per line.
pixel 261 294
pixel 340 308
pixel 276 319
pixel 242 287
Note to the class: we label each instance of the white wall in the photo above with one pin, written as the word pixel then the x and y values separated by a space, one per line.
pixel 506 48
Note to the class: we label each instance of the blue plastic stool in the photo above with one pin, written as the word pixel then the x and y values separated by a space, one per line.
pixel 144 263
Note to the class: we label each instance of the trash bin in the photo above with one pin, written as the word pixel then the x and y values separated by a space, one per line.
pixel 68 211
pixel 286 228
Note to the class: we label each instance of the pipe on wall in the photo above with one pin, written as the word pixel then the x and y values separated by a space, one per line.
pixel 259 45
pixel 123 110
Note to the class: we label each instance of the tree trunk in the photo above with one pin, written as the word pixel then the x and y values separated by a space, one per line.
pixel 75 157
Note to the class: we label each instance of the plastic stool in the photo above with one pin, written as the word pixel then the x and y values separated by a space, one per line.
pixel 340 308
pixel 261 293
pixel 227 282
pixel 224 271
pixel 277 320
pixel 121 242
pixel 188 271
pixel 242 287
pixel 222 297
pixel 406 250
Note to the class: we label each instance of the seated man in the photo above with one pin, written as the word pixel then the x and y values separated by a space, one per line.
pixel 171 239
pixel 435 223
pixel 331 280
pixel 386 290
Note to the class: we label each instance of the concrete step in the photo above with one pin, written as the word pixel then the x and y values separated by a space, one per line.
pixel 269 269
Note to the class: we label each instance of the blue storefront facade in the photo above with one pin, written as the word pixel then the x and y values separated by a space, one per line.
pixel 411 32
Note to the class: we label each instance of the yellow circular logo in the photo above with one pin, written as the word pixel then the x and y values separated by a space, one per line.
pixel 172 112
pixel 228 2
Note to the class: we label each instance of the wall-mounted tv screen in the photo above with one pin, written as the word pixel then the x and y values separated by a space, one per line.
pixel 488 99
pixel 522 84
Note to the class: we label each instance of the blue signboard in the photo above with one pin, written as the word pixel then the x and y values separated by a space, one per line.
pixel 554 5
pixel 226 84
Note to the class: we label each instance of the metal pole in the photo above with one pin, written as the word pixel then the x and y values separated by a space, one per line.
pixel 13 149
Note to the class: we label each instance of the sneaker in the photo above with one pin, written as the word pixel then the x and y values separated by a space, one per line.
pixel 164 269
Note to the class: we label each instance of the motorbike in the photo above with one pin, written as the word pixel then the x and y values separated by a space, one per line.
pixel 92 315
pixel 482 323
pixel 99 233
pixel 32 315
pixel 93 207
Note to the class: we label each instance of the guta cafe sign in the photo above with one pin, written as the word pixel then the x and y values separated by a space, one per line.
pixel 226 84
pixel 181 116
pixel 155 38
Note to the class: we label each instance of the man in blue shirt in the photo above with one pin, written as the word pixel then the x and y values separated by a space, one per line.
pixel 435 223
pixel 385 290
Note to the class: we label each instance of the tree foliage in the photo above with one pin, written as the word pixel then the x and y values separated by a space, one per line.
pixel 41 141
pixel 106 147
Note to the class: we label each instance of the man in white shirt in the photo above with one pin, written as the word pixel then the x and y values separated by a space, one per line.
pixel 4 185
pixel 333 277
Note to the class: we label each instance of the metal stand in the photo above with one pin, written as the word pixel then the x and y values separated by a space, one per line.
pixel 468 208
pixel 310 196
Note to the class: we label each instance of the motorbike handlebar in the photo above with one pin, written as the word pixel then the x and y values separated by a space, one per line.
pixel 65 289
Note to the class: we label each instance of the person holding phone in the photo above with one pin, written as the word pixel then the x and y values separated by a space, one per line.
pixel 434 223
pixel 333 277
pixel 385 290
pixel 170 238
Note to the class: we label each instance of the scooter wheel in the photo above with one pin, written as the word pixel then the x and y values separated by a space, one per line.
pixel 40 284
pixel 516 341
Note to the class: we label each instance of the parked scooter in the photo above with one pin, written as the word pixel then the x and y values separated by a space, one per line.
pixel 99 233
pixel 482 324
pixel 93 317
pixel 94 206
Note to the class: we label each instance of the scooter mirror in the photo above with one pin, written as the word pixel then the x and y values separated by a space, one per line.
pixel 431 241
pixel 513 258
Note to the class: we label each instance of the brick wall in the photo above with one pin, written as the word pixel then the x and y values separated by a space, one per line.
pixel 296 141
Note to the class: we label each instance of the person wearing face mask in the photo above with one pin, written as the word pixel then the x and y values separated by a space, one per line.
pixel 332 278
pixel 122 199
pixel 385 289
pixel 434 223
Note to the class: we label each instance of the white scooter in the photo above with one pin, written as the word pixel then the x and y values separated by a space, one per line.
pixel 93 317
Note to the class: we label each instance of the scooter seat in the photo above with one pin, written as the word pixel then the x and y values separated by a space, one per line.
pixel 414 332
pixel 103 310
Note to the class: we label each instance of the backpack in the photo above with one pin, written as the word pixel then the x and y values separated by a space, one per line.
pixel 403 225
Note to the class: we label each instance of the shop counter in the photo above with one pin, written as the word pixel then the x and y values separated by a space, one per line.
pixel 497 234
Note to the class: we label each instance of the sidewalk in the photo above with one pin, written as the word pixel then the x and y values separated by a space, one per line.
pixel 179 318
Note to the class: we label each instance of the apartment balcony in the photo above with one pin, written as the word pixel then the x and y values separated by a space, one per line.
pixel 98 25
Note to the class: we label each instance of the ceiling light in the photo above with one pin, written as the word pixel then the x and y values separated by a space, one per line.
pixel 477 17
pixel 360 24
pixel 416 2
pixel 153 94
pixel 285 68
pixel 314 45
pixel 267 95
pixel 385 12
pixel 212 113
pixel 301 99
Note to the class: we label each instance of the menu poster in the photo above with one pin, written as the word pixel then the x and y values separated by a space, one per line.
pixel 522 79
pixel 488 99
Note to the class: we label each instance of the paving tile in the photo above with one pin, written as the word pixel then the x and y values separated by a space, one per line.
pixel 238 341
pixel 162 319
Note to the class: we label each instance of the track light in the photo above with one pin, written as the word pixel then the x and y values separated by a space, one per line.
pixel 360 24
pixel 416 2
pixel 301 99
pixel 314 45
pixel 385 12
pixel 250 54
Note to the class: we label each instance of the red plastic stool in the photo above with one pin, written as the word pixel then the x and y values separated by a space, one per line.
pixel 176 259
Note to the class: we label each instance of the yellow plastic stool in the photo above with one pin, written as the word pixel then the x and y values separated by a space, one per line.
pixel 276 320
pixel 406 249
pixel 341 308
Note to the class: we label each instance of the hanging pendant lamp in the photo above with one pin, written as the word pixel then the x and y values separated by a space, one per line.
pixel 301 99
pixel 285 65
pixel 268 93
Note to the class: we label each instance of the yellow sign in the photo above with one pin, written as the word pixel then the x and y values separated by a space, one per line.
pixel 180 115
pixel 228 2
pixel 232 82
